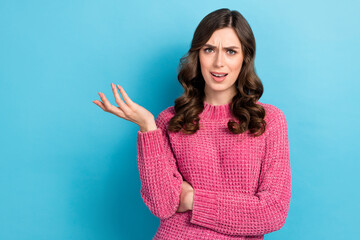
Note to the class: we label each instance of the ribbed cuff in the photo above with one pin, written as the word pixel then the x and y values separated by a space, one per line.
pixel 149 143
pixel 205 208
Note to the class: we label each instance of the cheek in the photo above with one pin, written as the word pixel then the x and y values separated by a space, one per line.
pixel 203 67
pixel 236 65
pixel 205 61
pixel 202 63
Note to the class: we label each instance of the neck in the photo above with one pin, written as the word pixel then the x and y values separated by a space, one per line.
pixel 219 97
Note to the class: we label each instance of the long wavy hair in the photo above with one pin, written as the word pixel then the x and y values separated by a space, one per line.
pixel 249 115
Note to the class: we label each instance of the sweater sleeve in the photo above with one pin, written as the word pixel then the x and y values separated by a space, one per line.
pixel 252 214
pixel 160 179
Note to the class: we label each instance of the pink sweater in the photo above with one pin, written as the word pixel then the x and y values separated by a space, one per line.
pixel 242 184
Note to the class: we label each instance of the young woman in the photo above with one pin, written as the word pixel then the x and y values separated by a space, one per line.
pixel 216 165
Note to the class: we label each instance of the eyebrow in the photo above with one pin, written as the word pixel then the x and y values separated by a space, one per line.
pixel 209 45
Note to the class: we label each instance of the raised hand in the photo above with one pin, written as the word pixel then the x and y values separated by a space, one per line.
pixel 127 110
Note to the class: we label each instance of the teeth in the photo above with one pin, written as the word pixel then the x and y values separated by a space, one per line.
pixel 218 75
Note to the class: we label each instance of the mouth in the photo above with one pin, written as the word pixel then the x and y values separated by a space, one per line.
pixel 218 76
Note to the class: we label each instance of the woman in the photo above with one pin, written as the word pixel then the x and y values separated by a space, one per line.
pixel 216 165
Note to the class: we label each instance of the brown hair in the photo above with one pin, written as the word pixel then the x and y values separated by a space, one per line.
pixel 249 87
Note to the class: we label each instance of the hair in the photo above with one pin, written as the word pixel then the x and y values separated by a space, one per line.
pixel 243 106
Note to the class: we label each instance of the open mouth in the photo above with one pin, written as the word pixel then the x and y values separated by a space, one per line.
pixel 219 75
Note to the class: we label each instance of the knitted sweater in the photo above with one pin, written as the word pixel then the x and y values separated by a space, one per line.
pixel 242 184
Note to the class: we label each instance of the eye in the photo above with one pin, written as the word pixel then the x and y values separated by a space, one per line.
pixel 232 52
pixel 206 50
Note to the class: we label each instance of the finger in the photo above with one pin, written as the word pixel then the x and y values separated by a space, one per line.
pixel 118 100
pixel 108 106
pixel 115 111
pixel 100 104
pixel 125 96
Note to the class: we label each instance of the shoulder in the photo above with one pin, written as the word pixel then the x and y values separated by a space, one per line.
pixel 165 115
pixel 273 114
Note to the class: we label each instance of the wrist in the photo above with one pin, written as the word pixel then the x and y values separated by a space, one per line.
pixel 148 127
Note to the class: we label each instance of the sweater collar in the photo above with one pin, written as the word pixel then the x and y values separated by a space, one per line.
pixel 216 111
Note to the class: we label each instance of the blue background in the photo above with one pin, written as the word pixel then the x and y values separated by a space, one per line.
pixel 68 169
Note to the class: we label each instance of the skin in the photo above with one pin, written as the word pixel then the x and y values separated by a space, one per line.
pixel 135 113
pixel 219 58
pixel 127 110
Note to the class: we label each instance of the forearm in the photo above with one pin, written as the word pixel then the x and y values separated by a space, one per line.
pixel 160 178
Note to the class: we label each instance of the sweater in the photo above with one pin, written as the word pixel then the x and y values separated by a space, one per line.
pixel 242 183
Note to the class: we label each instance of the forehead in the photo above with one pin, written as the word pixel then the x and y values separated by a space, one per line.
pixel 225 36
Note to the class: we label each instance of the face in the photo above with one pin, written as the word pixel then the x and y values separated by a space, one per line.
pixel 221 55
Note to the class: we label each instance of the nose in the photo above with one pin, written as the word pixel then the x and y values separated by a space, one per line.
pixel 219 60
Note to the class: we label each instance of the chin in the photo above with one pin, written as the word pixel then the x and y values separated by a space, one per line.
pixel 218 88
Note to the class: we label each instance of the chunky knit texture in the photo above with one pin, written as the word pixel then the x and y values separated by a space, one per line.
pixel 242 184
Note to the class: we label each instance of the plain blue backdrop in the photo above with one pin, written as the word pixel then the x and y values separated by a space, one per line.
pixel 68 169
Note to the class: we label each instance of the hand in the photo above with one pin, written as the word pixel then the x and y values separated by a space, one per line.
pixel 186 197
pixel 129 111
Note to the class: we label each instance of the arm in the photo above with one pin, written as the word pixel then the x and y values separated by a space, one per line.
pixel 265 211
pixel 160 179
